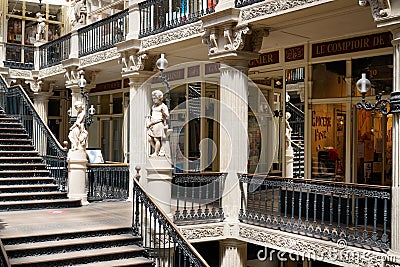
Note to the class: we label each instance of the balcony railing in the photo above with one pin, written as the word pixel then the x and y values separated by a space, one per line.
pixel 161 238
pixel 108 181
pixel 328 210
pixel 104 34
pixel 19 57
pixel 198 197
pixel 160 15
pixel 54 52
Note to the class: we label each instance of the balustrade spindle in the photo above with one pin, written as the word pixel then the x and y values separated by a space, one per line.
pixel 365 217
pixel 323 214
pixel 265 203
pixel 374 234
pixel 330 227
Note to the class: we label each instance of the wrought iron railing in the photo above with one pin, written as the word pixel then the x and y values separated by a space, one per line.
pixel 160 15
pixel 108 181
pixel 298 160
pixel 15 102
pixel 329 210
pixel 19 57
pixel 243 3
pixel 198 197
pixel 160 236
pixel 54 52
pixel 4 261
pixel 104 34
pixel 296 119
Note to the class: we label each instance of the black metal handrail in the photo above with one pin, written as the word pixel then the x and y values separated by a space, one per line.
pixel 160 236
pixel 198 197
pixel 14 59
pixel 298 161
pixel 296 119
pixel 160 15
pixel 329 210
pixel 4 261
pixel 54 52
pixel 108 181
pixel 15 102
pixel 104 34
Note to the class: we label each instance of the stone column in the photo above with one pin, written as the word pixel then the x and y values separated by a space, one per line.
pixel 233 253
pixel 41 102
pixel 233 128
pixel 395 96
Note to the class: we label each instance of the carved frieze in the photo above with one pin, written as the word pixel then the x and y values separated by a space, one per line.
pixel 93 59
pixel 48 72
pixel 271 7
pixel 309 248
pixel 16 73
pixel 203 232
pixel 183 32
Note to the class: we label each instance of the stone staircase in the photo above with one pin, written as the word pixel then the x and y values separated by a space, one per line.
pixel 25 183
pixel 108 247
pixel 298 160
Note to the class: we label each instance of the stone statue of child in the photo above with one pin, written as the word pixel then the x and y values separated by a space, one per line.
pixel 157 123
pixel 78 134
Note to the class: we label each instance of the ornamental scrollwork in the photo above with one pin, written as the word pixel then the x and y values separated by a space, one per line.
pixel 100 57
pixel 378 7
pixel 271 7
pixel 50 71
pixel 234 40
pixel 173 35
pixel 132 62
pixel 204 232
pixel 15 73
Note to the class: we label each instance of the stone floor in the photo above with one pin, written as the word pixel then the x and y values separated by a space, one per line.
pixel 95 216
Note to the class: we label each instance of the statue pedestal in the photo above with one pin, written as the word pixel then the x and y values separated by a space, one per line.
pixel 77 175
pixel 159 177
pixel 289 162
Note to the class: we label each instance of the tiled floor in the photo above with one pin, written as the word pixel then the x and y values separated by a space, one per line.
pixel 101 215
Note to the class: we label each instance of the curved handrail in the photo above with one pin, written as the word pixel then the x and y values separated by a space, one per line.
pixel 163 219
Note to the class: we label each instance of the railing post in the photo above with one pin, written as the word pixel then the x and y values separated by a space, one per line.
pixel 133 20
pixel 74 42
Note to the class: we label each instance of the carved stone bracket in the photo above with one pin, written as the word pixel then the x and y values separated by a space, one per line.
pixel 71 75
pixel 132 62
pixel 35 85
pixel 379 8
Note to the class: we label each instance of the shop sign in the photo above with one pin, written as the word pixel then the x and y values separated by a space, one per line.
pixel 171 76
pixel 294 53
pixel 211 68
pixel 107 86
pixel 321 126
pixel 356 44
pixel 265 59
pixel 193 71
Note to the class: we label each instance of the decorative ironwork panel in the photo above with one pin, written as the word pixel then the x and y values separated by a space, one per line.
pixel 104 34
pixel 329 210
pixel 54 52
pixel 160 15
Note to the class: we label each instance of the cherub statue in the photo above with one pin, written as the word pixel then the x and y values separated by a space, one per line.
pixel 78 134
pixel 288 132
pixel 157 123
pixel 41 27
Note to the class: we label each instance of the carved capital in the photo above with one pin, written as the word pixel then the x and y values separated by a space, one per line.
pixel 35 85
pixel 379 8
pixel 234 39
pixel 71 75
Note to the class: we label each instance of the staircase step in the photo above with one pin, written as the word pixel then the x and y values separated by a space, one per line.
pixel 16 148
pixel 25 180
pixel 19 166
pixel 64 245
pixel 13 135
pixel 79 257
pixel 135 262
pixel 24 173
pixel 20 159
pixel 18 152
pixel 39 204
pixel 32 196
pixel 28 188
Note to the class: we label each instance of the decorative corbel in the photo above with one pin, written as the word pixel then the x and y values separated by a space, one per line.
pixel 71 74
pixel 257 39
pixel 379 8
pixel 235 39
pixel 35 85
pixel 133 62
pixel 210 38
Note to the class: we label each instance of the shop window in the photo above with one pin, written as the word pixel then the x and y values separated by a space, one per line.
pixel 117 103
pixel 328 80
pixel 32 9
pixel 105 104
pixel 379 71
pixel 374 148
pixel 14 31
pixel 15 7
pixel 328 133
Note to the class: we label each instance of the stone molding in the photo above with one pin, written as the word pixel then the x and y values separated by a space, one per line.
pixel 54 70
pixel 201 232
pixel 271 7
pixel 16 73
pixel 326 251
pixel 173 35
pixel 99 57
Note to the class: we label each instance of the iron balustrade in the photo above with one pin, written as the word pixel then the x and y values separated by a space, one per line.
pixel 327 210
pixel 108 181
pixel 160 15
pixel 296 119
pixel 161 238
pixel 52 53
pixel 15 102
pixel 104 34
pixel 19 56
pixel 198 197
pixel 298 161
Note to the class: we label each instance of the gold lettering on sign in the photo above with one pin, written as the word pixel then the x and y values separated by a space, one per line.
pixel 323 123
